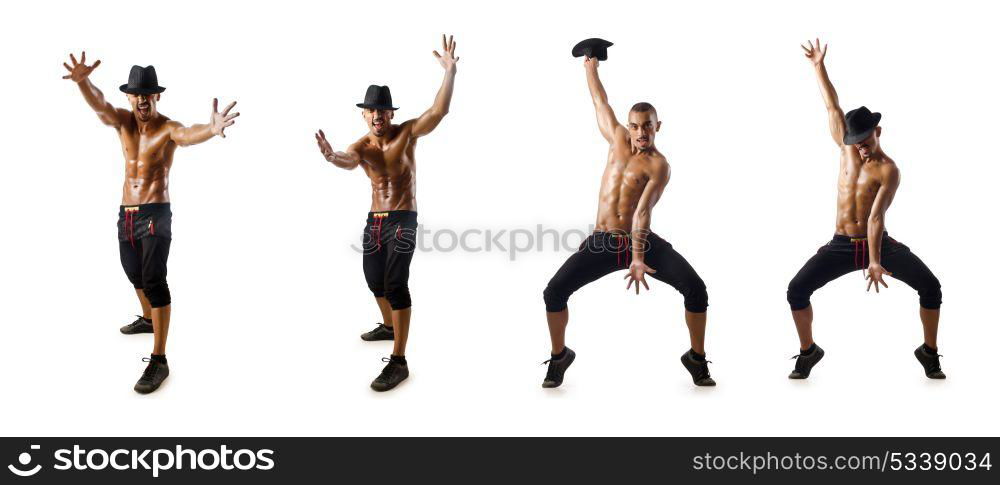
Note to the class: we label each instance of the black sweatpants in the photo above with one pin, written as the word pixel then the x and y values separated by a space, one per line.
pixel 844 254
pixel 389 241
pixel 143 245
pixel 603 253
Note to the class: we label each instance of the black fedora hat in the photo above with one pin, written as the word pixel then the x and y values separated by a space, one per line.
pixel 860 123
pixel 592 48
pixel 378 97
pixel 142 80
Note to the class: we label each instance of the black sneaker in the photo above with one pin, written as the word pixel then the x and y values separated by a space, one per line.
pixel 698 369
pixel 381 332
pixel 152 377
pixel 392 374
pixel 140 325
pixel 931 361
pixel 805 362
pixel 557 369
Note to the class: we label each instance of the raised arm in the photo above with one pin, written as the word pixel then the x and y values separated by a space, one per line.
pixel 442 102
pixel 606 120
pixel 200 133
pixel 816 55
pixel 876 225
pixel 80 74
pixel 640 225
pixel 348 159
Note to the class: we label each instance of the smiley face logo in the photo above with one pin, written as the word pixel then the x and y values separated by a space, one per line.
pixel 25 460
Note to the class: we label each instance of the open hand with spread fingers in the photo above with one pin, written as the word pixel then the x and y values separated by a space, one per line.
pixel 874 276
pixel 223 120
pixel 324 145
pixel 448 59
pixel 814 53
pixel 637 274
pixel 80 70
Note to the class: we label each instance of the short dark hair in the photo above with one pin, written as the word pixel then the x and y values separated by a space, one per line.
pixel 643 107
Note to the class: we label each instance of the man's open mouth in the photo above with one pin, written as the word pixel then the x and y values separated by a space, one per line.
pixel 143 108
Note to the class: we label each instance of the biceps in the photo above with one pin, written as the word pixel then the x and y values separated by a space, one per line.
pixel 881 204
pixel 111 116
pixel 606 117
pixel 427 122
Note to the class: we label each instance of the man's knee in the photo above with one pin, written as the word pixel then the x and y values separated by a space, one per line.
pixel 158 293
pixel 378 291
pixel 798 295
pixel 398 296
pixel 555 298
pixel 930 294
pixel 696 297
pixel 134 277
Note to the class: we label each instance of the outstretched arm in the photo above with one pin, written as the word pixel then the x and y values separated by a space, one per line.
pixel 816 55
pixel 80 74
pixel 200 133
pixel 433 116
pixel 640 226
pixel 876 226
pixel 347 160
pixel 606 120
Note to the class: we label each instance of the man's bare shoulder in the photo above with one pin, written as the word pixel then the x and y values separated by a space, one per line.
pixel 658 162
pixel 405 129
pixel 888 169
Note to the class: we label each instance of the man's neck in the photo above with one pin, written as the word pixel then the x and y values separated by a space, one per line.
pixel 650 150
pixel 145 126
pixel 876 157
pixel 381 141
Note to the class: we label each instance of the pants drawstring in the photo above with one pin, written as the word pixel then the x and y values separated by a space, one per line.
pixel 622 248
pixel 377 230
pixel 130 223
pixel 860 249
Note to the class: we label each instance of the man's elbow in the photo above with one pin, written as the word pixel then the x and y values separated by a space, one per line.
pixel 876 220
pixel 641 218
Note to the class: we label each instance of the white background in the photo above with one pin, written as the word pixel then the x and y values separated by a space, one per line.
pixel 269 297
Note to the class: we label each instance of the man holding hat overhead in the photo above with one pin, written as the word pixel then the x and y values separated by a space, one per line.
pixel 386 154
pixel 634 179
pixel 866 186
pixel 148 141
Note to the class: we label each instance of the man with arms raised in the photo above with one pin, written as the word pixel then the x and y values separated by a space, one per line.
pixel 148 141
pixel 386 154
pixel 865 187
pixel 633 180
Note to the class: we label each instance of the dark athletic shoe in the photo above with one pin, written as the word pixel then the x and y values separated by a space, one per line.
pixel 931 361
pixel 557 369
pixel 697 368
pixel 805 363
pixel 392 374
pixel 152 377
pixel 140 325
pixel 381 332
